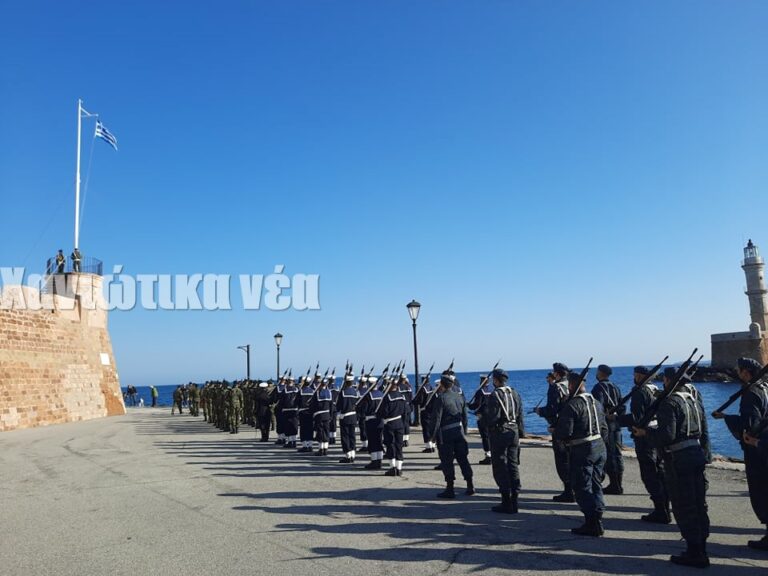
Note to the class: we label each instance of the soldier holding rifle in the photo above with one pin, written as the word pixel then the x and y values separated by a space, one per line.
pixel 753 409
pixel 450 425
pixel 609 396
pixel 582 427
pixel 680 418
pixel 557 395
pixel 650 462
pixel 502 412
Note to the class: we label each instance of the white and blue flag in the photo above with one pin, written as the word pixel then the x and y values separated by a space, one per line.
pixel 104 134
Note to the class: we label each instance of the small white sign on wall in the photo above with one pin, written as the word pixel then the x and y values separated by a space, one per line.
pixel 104 359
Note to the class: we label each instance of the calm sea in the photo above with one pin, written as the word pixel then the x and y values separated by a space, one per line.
pixel 532 387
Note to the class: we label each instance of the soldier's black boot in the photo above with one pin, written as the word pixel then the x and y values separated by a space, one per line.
pixel 325 451
pixel 438 467
pixel 332 440
pixel 660 514
pixel 694 556
pixel 565 496
pixel 448 492
pixel 373 465
pixel 485 461
pixel 513 503
pixel 591 527
pixel 614 486
pixel 391 472
pixel 761 544
pixel 346 460
pixel 506 504
pixel 599 523
pixel 470 488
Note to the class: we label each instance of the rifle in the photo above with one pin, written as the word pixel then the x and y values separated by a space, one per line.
pixel 485 379
pixel 424 380
pixel 533 410
pixel 740 392
pixel 582 375
pixel 647 379
pixel 395 380
pixel 691 372
pixel 372 386
pixel 322 384
pixel 676 379
pixel 432 394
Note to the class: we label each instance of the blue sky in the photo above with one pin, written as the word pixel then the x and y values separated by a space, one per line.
pixel 551 180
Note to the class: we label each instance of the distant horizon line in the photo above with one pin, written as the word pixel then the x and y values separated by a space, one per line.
pixel 435 373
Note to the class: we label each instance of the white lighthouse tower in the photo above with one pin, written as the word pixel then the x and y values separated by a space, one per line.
pixel 729 347
pixel 754 268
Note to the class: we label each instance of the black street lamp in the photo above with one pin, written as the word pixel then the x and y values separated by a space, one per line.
pixel 247 350
pixel 278 341
pixel 413 312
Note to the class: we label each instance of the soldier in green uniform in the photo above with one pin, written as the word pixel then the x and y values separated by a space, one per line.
pixel 194 399
pixel 204 400
pixel 61 261
pixel 177 397
pixel 235 408
pixel 76 259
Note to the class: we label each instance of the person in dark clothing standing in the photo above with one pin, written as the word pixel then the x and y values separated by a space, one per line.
pixel 753 409
pixel 261 410
pixel 502 412
pixel 582 427
pixel 450 425
pixel 373 427
pixel 609 396
pixel 405 389
pixel 306 421
pixel 678 438
pixel 425 415
pixel 476 405
pixel 651 466
pixel 345 406
pixel 557 394
pixel 320 407
pixel 390 412
pixel 288 407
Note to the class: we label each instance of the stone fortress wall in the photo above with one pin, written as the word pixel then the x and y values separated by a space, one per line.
pixel 56 360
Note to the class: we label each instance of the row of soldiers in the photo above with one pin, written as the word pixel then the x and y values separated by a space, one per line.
pixel 669 428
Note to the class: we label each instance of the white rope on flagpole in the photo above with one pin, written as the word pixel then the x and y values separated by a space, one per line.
pixel 87 178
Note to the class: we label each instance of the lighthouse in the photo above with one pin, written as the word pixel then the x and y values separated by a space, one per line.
pixel 754 267
pixel 730 346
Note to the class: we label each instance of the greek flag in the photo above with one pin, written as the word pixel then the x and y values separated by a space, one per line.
pixel 104 134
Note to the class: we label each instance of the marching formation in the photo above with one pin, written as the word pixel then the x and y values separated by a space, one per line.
pixel 373 414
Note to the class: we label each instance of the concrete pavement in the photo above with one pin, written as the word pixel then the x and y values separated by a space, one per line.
pixel 150 493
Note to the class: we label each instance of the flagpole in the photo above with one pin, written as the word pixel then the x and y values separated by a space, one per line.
pixel 77 174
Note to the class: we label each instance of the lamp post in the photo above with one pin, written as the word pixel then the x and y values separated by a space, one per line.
pixel 247 350
pixel 413 312
pixel 278 341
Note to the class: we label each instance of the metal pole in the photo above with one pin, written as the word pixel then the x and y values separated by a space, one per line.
pixel 248 360
pixel 278 363
pixel 416 370
pixel 77 173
